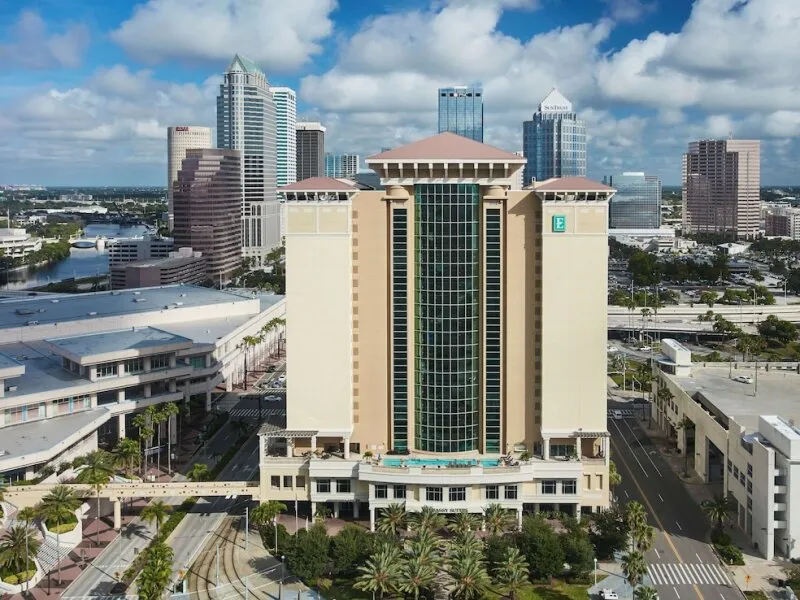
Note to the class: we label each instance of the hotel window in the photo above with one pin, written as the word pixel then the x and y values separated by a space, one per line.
pixel 492 345
pixel 569 486
pixel 749 487
pixel 749 504
pixel 300 481
pixel 741 477
pixel 433 494
pixel 492 492
pixel 730 465
pixel 511 492
pixel 197 362
pixel 549 486
pixel 135 365
pixel 399 492
pixel 287 481
pixel 457 494
pixel 275 482
pixel 381 491
pixel 749 470
pixel 736 472
pixel 561 450
pixel 400 329
pixel 106 370
pixel 343 486
pixel 323 486
pixel 159 362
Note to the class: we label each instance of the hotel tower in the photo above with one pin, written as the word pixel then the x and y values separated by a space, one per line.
pixel 446 338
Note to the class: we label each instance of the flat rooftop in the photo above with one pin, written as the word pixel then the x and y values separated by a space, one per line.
pixel 778 393
pixel 137 339
pixel 43 373
pixel 17 312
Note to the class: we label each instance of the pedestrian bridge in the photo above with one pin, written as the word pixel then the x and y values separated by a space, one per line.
pixel 29 495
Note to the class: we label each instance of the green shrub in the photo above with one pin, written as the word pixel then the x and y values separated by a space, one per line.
pixel 17 578
pixel 720 538
pixel 65 527
pixel 730 554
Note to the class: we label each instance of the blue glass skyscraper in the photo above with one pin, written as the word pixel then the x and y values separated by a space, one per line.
pixel 461 111
pixel 637 203
pixel 554 142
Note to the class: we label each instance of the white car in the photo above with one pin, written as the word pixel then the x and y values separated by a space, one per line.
pixel 612 349
pixel 644 348
pixel 607 594
pixel 272 398
pixel 743 379
pixel 617 414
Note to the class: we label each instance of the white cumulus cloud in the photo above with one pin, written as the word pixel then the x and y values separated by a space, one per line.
pixel 32 45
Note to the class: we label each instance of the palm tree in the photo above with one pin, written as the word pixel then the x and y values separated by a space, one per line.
pixel 634 567
pixel 718 511
pixel 464 521
pixel 28 515
pixel 416 575
pixel 157 571
pixel 646 593
pixel 392 520
pixel 126 455
pixel 498 519
pixel 264 514
pixel 144 424
pixel 169 410
pixel 157 511
pixel 379 574
pixel 58 506
pixel 645 538
pixel 428 518
pixel 158 418
pixel 636 519
pixel 97 472
pixel 17 549
pixel 512 572
pixel 614 478
pixel 425 545
pixel 199 472
pixel 466 544
pixel 685 423
pixel 470 578
pixel 249 341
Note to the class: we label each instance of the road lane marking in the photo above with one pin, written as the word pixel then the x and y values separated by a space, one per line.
pixel 636 458
pixel 638 441
pixel 679 525
pixel 657 554
pixel 627 495
pixel 653 512
pixel 674 589
pixel 700 560
pixel 660 498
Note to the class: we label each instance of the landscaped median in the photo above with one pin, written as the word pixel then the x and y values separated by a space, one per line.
pixel 178 515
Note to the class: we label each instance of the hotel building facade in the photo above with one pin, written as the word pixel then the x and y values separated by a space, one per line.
pixel 446 338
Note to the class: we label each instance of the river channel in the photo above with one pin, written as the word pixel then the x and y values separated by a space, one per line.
pixel 82 262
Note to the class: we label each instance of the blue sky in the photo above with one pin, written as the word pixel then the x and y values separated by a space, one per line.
pixel 87 88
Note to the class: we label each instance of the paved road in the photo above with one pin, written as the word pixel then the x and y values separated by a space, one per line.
pixel 681 564
pixel 98 579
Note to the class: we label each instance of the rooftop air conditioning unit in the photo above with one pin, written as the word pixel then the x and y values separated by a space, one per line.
pixel 92 313
pixel 11 388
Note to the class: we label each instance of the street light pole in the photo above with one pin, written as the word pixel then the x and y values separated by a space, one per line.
pixel 216 584
pixel 595 571
pixel 246 526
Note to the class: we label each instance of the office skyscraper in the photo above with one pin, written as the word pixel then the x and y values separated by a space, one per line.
pixel 341 165
pixel 285 145
pixel 637 203
pixel 554 142
pixel 180 139
pixel 246 122
pixel 310 150
pixel 461 111
pixel 721 187
pixel 444 310
pixel 208 208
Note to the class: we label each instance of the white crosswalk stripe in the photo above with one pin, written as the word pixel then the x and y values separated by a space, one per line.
pixel 253 412
pixel 687 574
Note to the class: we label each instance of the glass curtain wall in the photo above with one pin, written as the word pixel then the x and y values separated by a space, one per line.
pixel 447 337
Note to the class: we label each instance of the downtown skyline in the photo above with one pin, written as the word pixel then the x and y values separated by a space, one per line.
pixel 87 100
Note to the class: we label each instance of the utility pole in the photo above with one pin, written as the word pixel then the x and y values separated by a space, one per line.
pixel 246 526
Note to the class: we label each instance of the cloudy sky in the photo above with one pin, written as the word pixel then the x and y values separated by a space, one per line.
pixel 88 87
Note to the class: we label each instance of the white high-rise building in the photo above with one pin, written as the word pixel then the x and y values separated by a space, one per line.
pixel 246 122
pixel 285 100
pixel 181 138
pixel 517 179
pixel 341 165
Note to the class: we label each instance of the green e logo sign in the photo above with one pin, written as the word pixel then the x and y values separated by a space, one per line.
pixel 559 223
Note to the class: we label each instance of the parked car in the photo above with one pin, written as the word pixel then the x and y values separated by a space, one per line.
pixel 644 348
pixel 607 594
pixel 617 415
pixel 272 398
pixel 612 349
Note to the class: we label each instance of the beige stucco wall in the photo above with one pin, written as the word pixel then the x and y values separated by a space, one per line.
pixel 319 322
pixel 371 321
pixel 574 318
pixel 520 296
